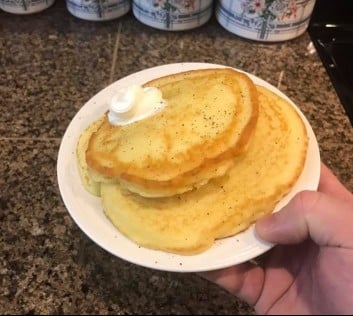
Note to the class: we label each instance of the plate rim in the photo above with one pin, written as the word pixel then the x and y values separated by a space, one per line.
pixel 226 262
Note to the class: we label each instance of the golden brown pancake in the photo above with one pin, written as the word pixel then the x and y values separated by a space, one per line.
pixel 189 223
pixel 91 180
pixel 90 184
pixel 210 117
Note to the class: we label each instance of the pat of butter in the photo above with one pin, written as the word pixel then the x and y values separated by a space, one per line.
pixel 134 104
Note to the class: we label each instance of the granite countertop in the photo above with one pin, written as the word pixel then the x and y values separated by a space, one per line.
pixel 51 63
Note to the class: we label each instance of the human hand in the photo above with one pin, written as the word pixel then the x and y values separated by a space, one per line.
pixel 310 271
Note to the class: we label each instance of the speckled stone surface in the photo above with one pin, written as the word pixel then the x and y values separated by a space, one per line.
pixel 51 63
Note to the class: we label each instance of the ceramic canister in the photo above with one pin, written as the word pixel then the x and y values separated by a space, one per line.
pixel 25 6
pixel 173 15
pixel 265 20
pixel 98 10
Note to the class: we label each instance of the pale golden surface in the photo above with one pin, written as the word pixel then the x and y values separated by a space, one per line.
pixel 209 119
pixel 90 184
pixel 189 223
pixel 190 180
pixel 91 180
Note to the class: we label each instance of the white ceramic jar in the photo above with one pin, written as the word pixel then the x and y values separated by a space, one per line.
pixel 25 6
pixel 265 20
pixel 173 15
pixel 98 10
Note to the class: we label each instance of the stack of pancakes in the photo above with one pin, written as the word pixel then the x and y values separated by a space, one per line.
pixel 218 157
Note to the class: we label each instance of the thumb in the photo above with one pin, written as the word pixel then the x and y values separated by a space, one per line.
pixel 320 217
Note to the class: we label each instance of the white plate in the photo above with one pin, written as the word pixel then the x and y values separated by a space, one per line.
pixel 86 210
